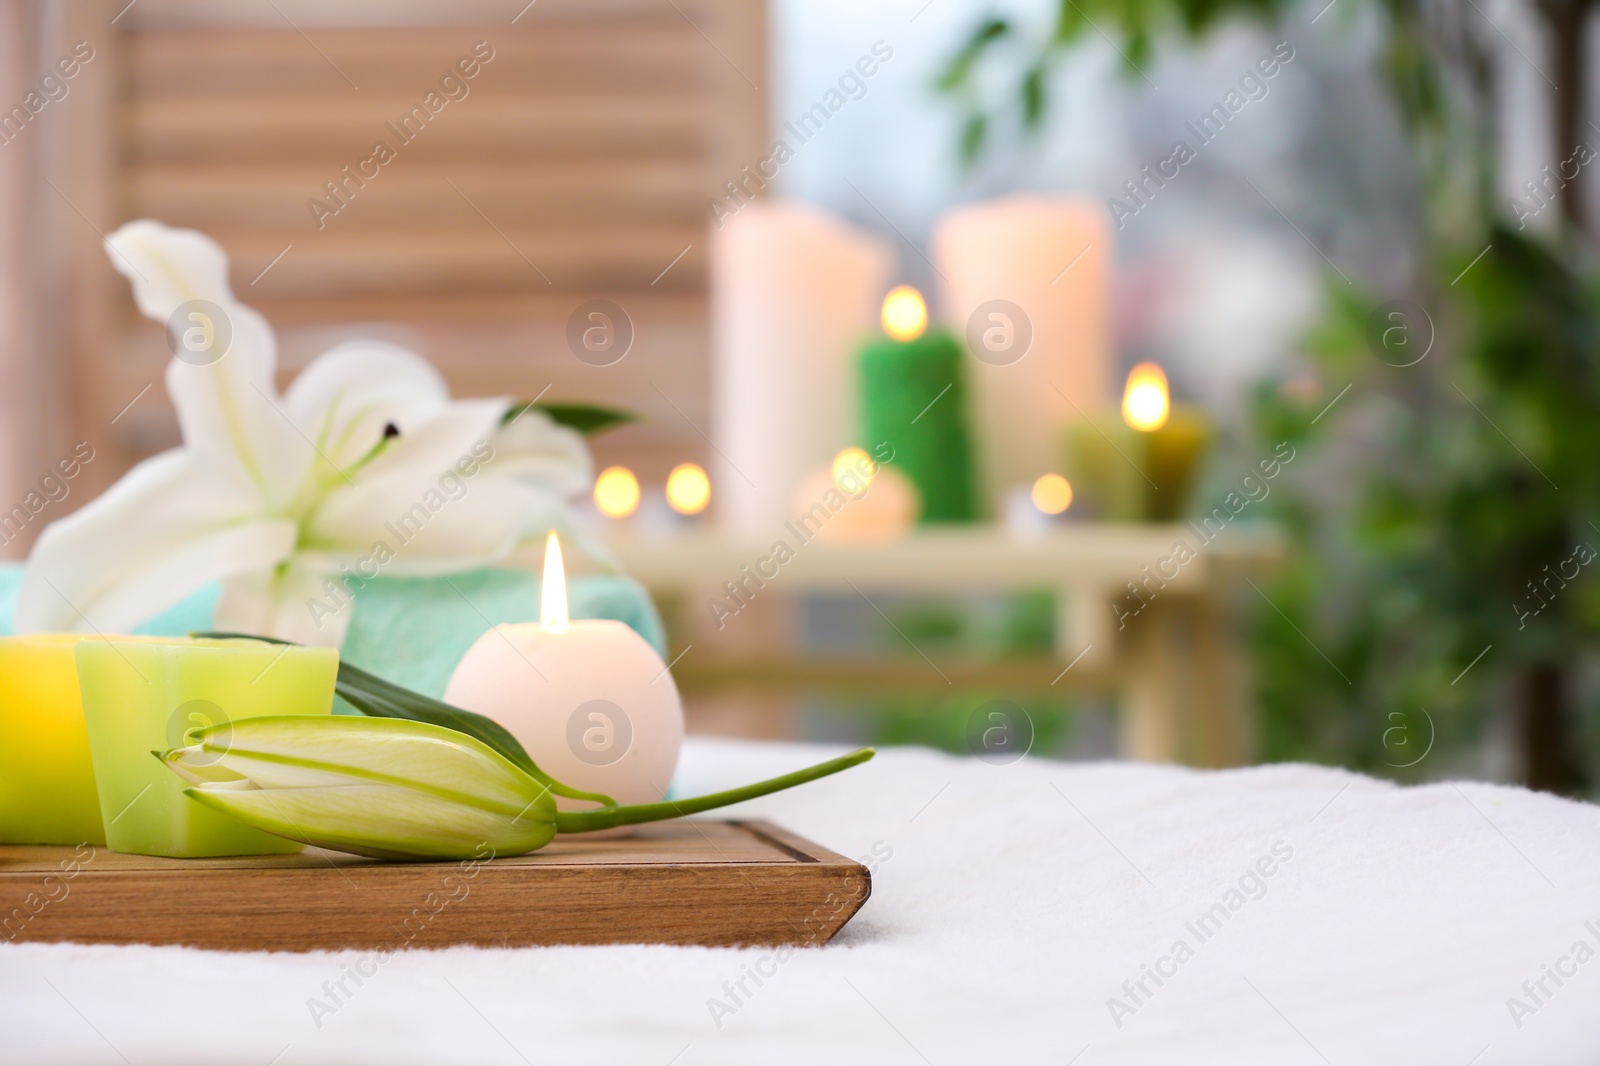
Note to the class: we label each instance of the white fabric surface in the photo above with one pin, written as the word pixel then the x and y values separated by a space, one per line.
pixel 1016 902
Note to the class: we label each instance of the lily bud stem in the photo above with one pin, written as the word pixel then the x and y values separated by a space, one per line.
pixel 611 817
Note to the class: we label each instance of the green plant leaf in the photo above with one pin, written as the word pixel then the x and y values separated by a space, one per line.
pixel 587 418
pixel 973 135
pixel 1033 102
pixel 958 71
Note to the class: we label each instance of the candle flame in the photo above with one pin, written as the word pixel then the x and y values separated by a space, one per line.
pixel 853 470
pixel 1146 402
pixel 1052 494
pixel 905 315
pixel 616 492
pixel 688 488
pixel 553 591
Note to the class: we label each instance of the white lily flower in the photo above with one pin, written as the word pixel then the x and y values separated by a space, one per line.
pixel 358 465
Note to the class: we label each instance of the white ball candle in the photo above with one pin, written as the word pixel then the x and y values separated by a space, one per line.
pixel 870 502
pixel 589 699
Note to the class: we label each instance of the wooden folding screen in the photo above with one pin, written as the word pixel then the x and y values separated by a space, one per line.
pixel 575 163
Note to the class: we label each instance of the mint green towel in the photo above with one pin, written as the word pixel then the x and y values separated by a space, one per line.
pixel 413 631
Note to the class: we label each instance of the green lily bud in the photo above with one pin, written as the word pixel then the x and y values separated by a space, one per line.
pixel 399 789
pixel 383 787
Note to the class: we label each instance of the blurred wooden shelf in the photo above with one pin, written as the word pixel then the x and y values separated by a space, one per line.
pixel 1174 653
pixel 1080 557
pixel 718 671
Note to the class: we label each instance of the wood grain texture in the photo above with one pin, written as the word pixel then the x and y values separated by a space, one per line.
pixel 710 883
pixel 576 164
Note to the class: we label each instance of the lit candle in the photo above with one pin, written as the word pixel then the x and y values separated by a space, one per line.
pixel 1051 494
pixel 688 489
pixel 1032 511
pixel 589 699
pixel 1144 468
pixel 616 492
pixel 47 793
pixel 913 401
pixel 150 694
pixel 864 500
pixel 1174 438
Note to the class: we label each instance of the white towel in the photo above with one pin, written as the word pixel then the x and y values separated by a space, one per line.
pixel 1017 914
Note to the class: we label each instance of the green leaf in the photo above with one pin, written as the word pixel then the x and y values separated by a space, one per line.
pixel 959 70
pixel 587 418
pixel 973 135
pixel 1140 51
pixel 1033 103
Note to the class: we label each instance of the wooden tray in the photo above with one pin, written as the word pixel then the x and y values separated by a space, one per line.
pixel 683 882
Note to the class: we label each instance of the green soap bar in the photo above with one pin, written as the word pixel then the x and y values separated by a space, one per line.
pixel 914 398
pixel 150 696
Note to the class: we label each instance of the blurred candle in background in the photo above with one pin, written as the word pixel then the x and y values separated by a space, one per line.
pixel 794 290
pixel 1173 438
pixel 1028 283
pixel 1052 494
pixel 862 500
pixel 1141 467
pixel 1032 511
pixel 616 492
pixel 1146 401
pixel 688 489
pixel 914 405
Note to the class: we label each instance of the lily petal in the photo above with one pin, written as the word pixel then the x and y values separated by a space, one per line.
pixel 428 530
pixel 290 601
pixel 168 528
pixel 558 516
pixel 276 752
pixel 533 447
pixel 378 821
pixel 225 401
pixel 346 396
pixel 413 499
pixel 458 432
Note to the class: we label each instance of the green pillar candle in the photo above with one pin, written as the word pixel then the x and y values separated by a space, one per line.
pixel 1104 464
pixel 1172 459
pixel 914 398
pixel 145 696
